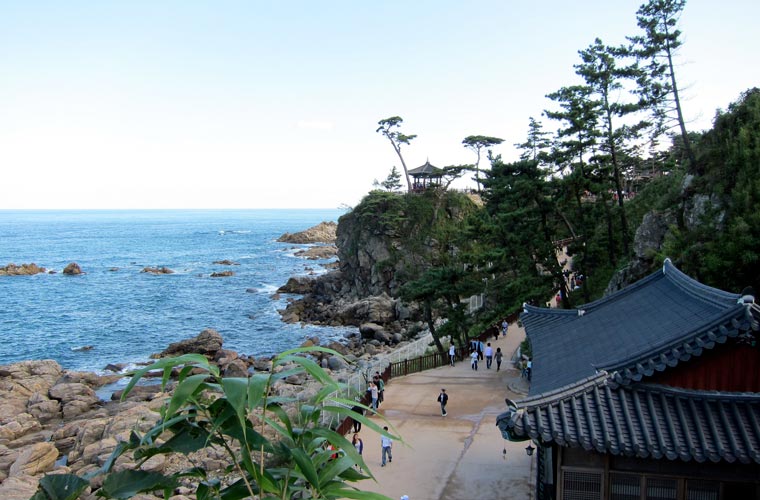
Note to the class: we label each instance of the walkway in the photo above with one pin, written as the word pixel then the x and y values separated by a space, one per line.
pixel 457 457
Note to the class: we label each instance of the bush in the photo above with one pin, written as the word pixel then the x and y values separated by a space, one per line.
pixel 272 453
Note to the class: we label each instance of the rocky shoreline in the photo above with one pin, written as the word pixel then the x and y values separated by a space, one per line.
pixel 52 420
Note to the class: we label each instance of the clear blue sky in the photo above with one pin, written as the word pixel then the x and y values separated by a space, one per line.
pixel 249 104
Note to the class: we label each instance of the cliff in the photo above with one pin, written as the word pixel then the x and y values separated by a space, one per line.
pixel 385 241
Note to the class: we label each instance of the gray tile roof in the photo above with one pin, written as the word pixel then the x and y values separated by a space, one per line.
pixel 589 387
pixel 644 420
pixel 659 321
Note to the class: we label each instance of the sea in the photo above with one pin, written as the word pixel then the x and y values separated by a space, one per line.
pixel 124 314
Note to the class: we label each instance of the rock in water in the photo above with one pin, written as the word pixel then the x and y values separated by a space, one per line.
pixel 324 232
pixel 72 269
pixel 207 342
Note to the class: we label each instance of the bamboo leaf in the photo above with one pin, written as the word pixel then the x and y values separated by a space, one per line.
pixel 184 390
pixel 127 483
pixel 306 466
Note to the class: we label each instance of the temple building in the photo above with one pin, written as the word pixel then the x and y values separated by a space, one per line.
pixel 652 392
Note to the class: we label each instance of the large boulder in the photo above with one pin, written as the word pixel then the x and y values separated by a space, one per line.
pixel 72 269
pixel 22 383
pixel 324 232
pixel 207 342
pixel 318 252
pixel 298 284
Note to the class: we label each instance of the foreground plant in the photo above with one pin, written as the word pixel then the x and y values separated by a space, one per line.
pixel 272 454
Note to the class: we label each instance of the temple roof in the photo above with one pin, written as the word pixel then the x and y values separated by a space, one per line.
pixel 590 366
pixel 426 170
pixel 660 320
pixel 644 420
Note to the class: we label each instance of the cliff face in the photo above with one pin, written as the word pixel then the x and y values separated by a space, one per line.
pixel 387 240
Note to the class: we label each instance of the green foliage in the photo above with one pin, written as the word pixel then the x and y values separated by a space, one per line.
pixel 393 181
pixel 722 249
pixel 273 453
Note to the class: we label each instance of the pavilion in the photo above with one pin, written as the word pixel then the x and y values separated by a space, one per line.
pixel 425 176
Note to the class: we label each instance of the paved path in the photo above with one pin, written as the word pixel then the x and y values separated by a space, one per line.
pixel 460 456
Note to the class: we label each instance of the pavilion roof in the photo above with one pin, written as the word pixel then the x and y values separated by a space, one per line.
pixel 426 170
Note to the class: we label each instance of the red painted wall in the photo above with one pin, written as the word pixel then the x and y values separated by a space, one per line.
pixel 729 367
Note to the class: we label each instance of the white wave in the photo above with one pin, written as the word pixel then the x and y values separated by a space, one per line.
pixel 267 289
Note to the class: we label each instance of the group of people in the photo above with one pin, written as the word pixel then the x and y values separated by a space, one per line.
pixel 376 389
pixel 490 355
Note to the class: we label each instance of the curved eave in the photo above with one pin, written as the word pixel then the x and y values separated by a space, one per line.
pixel 646 421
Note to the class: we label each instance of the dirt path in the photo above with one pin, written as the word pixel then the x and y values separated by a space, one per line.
pixel 457 457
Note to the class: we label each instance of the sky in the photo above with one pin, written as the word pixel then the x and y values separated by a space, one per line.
pixel 253 104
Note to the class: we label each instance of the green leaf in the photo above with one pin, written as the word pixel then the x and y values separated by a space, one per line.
pixel 190 359
pixel 127 483
pixel 306 466
pixel 184 391
pixel 257 386
pixel 358 495
pixel 60 487
pixel 312 368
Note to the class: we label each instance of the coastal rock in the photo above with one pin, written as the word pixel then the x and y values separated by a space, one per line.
pixel 226 262
pixel 320 252
pixel 300 285
pixel 207 342
pixel 235 368
pixel 23 424
pixel 157 270
pixel 22 270
pixel 324 232
pixel 222 274
pixel 35 459
pixel 19 382
pixel 72 269
pixel 18 488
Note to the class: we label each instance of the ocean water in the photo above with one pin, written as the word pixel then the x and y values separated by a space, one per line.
pixel 125 314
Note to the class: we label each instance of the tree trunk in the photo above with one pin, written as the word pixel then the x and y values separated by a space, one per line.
pixel 403 164
pixel 431 326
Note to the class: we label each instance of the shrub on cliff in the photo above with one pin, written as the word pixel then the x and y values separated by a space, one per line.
pixel 273 453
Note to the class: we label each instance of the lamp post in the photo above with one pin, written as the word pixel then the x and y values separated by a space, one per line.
pixel 529 451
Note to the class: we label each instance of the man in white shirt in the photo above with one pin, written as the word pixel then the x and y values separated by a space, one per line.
pixel 452 354
pixel 387 444
pixel 489 355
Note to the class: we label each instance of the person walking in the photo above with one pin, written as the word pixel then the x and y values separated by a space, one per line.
pixel 443 398
pixel 380 388
pixel 498 357
pixel 504 326
pixel 474 360
pixel 489 356
pixel 374 394
pixel 452 354
pixel 387 444
pixel 357 425
pixel 359 445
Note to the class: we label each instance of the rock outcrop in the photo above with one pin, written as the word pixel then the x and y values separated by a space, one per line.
pixel 319 252
pixel 324 232
pixel 157 270
pixel 208 342
pixel 51 421
pixel 22 270
pixel 386 241
pixel 72 269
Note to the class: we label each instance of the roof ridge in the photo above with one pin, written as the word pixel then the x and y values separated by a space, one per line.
pixel 695 288
pixel 634 366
